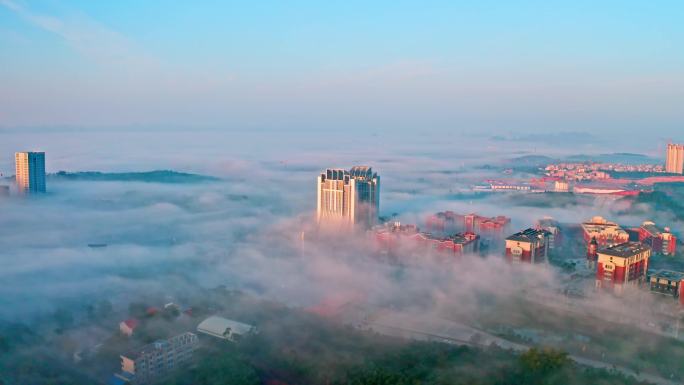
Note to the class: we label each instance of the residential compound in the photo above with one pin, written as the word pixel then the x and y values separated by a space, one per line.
pixel 622 264
pixel 528 246
pixel 348 197
pixel 674 161
pixel 153 362
pixel 30 172
pixel 605 233
pixel 397 239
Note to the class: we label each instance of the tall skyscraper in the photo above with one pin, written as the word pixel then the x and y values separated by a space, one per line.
pixel 348 197
pixel 675 158
pixel 30 171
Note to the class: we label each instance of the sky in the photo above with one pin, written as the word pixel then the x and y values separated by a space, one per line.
pixel 612 67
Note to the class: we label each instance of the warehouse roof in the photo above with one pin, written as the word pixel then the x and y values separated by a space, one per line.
pixel 223 328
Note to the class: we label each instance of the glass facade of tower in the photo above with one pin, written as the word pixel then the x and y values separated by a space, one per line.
pixel 30 172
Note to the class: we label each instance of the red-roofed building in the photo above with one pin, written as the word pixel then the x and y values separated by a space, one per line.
pixel 605 232
pixel 128 326
pixel 450 222
pixel 619 265
pixel 528 246
pixel 660 241
pixel 396 238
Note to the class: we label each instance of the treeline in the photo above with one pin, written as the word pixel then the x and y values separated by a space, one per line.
pixel 298 348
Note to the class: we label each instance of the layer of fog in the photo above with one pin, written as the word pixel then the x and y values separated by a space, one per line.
pixel 252 229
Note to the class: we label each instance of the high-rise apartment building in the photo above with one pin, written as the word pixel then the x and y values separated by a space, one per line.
pixel 674 162
pixel 30 171
pixel 348 197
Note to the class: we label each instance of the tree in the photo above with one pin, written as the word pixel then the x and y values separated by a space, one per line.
pixel 544 366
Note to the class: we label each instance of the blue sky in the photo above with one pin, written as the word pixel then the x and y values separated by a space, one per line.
pixel 442 65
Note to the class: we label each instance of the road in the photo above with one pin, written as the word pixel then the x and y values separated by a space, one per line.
pixel 430 328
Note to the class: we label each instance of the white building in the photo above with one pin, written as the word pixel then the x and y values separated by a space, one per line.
pixel 348 197
pixel 156 360
pixel 30 172
pixel 224 328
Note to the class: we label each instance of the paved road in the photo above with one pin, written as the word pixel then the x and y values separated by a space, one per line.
pixel 430 328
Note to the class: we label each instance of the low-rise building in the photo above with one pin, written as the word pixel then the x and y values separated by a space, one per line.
pixel 226 329
pixel 154 361
pixel 393 238
pixel 449 222
pixel 667 282
pixel 620 265
pixel 661 241
pixel 128 326
pixel 605 232
pixel 451 245
pixel 528 246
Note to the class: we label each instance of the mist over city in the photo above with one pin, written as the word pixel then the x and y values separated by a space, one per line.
pixel 389 193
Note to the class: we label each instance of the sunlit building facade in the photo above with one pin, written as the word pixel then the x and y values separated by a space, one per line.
pixel 620 265
pixel 348 197
pixel 448 222
pixel 674 161
pixel 397 239
pixel 606 233
pixel 661 241
pixel 30 172
pixel 528 246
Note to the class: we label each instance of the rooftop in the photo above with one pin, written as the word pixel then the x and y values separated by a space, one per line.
pixel 651 228
pixel 222 327
pixel 528 235
pixel 624 250
pixel 363 172
pixel 670 275
pixel 172 342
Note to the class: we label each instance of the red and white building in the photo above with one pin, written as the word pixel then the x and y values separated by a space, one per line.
pixel 620 265
pixel 605 232
pixel 128 326
pixel 661 241
pixel 451 222
pixel 528 246
pixel 396 239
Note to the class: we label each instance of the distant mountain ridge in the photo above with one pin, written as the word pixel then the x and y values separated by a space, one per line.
pixel 156 176
pixel 622 157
